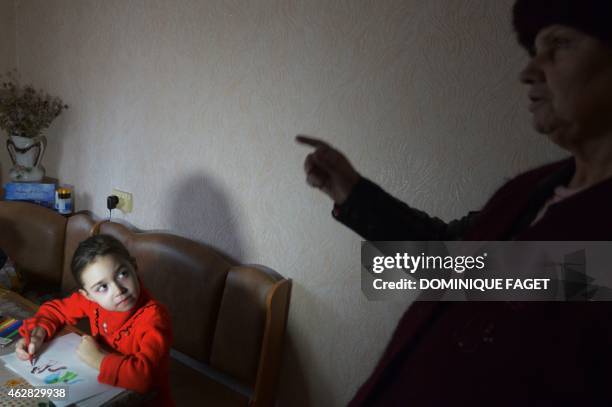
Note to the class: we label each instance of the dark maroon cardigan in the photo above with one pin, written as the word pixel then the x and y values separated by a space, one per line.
pixel 497 353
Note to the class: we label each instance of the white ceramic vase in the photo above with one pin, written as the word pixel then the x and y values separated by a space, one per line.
pixel 26 154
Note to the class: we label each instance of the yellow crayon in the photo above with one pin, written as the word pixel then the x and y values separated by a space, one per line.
pixel 7 323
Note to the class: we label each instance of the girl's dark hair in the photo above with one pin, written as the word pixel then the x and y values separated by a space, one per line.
pixel 593 17
pixel 99 245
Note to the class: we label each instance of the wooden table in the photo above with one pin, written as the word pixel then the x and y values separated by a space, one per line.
pixel 16 306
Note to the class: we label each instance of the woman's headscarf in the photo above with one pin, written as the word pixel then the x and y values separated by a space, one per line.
pixel 593 17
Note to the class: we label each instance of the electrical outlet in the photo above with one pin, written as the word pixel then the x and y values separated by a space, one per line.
pixel 125 200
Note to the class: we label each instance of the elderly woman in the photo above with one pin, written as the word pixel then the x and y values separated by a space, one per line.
pixel 508 353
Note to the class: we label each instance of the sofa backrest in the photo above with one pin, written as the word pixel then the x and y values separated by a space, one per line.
pixel 33 237
pixel 229 317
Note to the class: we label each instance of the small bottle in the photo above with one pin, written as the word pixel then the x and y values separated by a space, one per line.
pixel 63 201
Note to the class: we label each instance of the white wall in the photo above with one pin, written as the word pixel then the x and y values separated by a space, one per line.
pixel 193 105
pixel 7 62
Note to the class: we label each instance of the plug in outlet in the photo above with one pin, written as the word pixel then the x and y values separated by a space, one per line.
pixel 125 200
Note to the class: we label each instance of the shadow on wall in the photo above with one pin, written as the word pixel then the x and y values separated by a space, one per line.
pixel 293 389
pixel 297 384
pixel 201 211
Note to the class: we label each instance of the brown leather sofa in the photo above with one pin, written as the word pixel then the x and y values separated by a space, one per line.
pixel 228 320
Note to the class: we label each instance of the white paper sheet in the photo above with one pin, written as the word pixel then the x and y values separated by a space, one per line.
pixel 59 365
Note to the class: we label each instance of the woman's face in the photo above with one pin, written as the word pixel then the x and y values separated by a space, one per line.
pixel 570 79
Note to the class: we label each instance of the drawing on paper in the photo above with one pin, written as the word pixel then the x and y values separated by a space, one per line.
pixel 59 365
pixel 54 366
pixel 66 377
pixel 49 365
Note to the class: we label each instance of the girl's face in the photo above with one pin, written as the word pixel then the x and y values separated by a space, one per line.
pixel 110 282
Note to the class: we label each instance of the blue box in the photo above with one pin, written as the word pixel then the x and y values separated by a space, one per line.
pixel 38 193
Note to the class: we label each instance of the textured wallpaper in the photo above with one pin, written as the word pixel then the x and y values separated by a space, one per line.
pixel 193 105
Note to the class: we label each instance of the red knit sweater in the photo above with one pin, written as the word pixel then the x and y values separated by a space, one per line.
pixel 141 339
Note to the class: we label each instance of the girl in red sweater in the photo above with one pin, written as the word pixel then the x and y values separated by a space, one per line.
pixel 124 318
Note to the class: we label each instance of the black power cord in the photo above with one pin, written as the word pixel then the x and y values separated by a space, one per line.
pixel 111 203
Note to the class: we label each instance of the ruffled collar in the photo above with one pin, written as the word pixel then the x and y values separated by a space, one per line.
pixel 108 322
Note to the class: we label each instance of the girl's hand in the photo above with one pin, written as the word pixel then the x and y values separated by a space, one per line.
pixel 90 352
pixel 37 338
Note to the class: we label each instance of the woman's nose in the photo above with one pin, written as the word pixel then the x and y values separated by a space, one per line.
pixel 532 73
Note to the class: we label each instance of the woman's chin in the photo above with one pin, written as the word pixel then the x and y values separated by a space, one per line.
pixel 553 129
pixel 563 139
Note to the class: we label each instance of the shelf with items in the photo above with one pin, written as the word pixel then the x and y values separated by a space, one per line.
pixel 48 193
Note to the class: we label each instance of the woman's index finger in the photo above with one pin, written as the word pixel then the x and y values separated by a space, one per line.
pixel 310 141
